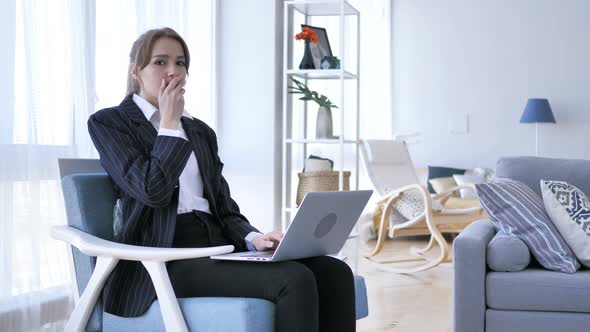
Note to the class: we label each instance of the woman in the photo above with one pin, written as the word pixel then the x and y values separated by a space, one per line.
pixel 167 172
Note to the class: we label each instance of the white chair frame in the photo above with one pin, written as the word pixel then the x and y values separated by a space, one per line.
pixel 429 222
pixel 109 253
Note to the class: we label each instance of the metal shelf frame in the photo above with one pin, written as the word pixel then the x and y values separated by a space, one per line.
pixel 342 9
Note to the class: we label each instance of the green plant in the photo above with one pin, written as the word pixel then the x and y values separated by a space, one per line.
pixel 301 88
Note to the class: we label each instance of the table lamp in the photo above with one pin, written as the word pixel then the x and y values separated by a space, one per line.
pixel 537 110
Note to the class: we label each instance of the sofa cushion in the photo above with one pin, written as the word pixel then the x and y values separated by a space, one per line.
pixel 515 208
pixel 441 185
pixel 360 297
pixel 530 170
pixel 537 321
pixel 488 173
pixel 210 314
pixel 467 179
pixel 569 209
pixel 507 253
pixel 538 290
pixel 441 172
pixel 202 314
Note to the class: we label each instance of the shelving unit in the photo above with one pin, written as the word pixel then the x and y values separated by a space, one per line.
pixel 342 11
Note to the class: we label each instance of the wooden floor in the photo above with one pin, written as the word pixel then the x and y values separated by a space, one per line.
pixel 409 303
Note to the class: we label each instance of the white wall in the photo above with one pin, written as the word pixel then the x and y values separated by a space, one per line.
pixel 484 59
pixel 249 66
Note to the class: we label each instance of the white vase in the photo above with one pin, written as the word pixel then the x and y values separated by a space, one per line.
pixel 323 125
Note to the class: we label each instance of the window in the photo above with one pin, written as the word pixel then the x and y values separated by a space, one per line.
pixel 70 59
pixel 43 107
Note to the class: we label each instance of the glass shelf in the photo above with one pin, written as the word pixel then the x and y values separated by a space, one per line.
pixel 319 141
pixel 321 8
pixel 326 74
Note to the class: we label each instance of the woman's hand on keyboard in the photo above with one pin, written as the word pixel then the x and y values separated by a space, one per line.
pixel 268 241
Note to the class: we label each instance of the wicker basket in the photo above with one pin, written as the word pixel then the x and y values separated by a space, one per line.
pixel 319 181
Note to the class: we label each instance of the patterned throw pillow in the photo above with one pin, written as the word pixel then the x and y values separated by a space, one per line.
pixel 516 209
pixel 569 208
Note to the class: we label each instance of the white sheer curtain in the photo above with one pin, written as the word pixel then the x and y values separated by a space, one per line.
pixel 64 60
pixel 50 92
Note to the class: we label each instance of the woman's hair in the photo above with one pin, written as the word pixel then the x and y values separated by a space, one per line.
pixel 141 52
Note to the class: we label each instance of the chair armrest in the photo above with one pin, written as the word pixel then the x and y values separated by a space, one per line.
pixel 109 253
pixel 387 202
pixel 445 195
pixel 460 211
pixel 469 257
pixel 94 246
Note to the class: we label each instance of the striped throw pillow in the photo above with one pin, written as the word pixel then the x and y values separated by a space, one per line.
pixel 516 209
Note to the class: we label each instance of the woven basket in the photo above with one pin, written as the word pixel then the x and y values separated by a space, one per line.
pixel 319 181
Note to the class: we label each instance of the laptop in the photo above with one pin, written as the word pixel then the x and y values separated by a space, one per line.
pixel 321 227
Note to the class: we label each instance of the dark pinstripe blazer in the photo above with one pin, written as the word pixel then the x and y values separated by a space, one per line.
pixel 145 169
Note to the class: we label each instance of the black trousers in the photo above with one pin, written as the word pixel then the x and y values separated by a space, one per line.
pixel 311 294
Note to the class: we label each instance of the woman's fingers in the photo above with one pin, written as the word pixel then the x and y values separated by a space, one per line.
pixel 180 85
pixel 260 243
pixel 162 87
pixel 273 239
pixel 275 236
pixel 269 244
pixel 176 85
pixel 173 83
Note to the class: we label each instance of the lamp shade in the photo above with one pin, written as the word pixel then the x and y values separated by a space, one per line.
pixel 537 110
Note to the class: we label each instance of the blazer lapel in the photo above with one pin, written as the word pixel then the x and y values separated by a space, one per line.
pixel 144 127
pixel 195 135
pixel 203 154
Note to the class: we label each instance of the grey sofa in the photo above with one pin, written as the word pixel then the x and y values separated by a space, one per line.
pixel 533 299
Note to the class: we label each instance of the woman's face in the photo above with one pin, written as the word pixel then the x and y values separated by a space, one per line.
pixel 167 61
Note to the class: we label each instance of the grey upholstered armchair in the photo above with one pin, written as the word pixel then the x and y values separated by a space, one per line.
pixel 90 200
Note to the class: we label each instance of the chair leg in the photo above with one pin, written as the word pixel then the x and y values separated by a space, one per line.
pixel 435 238
pixel 171 313
pixel 429 263
pixel 422 251
pixel 410 270
pixel 79 317
pixel 438 237
pixel 385 217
